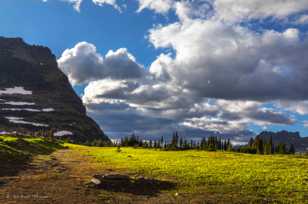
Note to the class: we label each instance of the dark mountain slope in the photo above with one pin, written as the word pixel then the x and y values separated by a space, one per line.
pixel 36 96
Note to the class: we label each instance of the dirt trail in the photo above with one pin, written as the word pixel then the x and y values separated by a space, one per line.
pixel 56 178
pixel 63 177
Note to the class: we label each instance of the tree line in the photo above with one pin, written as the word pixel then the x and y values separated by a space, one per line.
pixel 177 143
pixel 212 143
pixel 260 146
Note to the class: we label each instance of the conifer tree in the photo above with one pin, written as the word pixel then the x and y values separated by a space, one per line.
pixel 175 140
pixel 271 145
pixel 151 144
pixel 261 147
pixel 162 140
pixel 229 145
pixel 251 142
pixel 292 149
pixel 181 143
pixel 281 148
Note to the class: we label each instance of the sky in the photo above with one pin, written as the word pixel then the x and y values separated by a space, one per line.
pixel 230 68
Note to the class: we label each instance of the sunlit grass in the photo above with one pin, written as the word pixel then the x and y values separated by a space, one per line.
pixel 280 177
pixel 8 138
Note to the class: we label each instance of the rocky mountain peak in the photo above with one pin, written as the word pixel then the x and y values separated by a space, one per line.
pixel 17 48
pixel 285 137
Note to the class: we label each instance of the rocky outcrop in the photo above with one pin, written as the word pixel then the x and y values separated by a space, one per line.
pixel 285 137
pixel 35 96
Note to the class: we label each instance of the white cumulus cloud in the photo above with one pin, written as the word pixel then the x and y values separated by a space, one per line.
pixel 159 6
pixel 238 10
pixel 83 64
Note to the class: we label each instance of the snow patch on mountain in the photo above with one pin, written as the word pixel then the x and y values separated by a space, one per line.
pixel 15 90
pixel 62 133
pixel 20 120
pixel 47 110
pixel 16 103
pixel 21 109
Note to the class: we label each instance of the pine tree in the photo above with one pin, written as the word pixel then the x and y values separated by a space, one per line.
pixel 158 144
pixel 272 145
pixel 268 149
pixel 203 144
pixel 175 140
pixel 162 140
pixel 261 147
pixel 292 149
pixel 225 145
pixel 219 145
pixel 281 148
pixel 186 145
pixel 151 144
pixel 229 145
pixel 251 142
pixel 181 143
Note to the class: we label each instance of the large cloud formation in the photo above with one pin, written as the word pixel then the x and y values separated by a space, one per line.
pixel 238 63
pixel 83 64
pixel 221 76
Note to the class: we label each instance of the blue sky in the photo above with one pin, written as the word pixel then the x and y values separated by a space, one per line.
pixel 58 26
pixel 183 65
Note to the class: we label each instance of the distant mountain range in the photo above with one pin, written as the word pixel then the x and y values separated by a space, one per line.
pixel 288 138
pixel 36 96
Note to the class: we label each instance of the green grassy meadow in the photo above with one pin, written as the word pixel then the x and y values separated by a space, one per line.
pixel 244 178
pixel 275 178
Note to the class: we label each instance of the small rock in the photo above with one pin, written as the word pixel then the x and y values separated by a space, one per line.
pixel 96 181
pixel 110 179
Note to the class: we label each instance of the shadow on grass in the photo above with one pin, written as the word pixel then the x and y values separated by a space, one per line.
pixel 15 155
pixel 138 186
